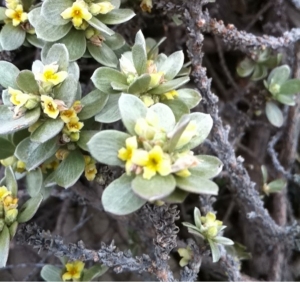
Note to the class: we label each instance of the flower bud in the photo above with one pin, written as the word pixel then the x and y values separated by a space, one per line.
pixel 11 216
pixel 8 161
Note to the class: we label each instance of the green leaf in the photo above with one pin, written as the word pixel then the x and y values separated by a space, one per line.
pixel 110 112
pixel 103 54
pixel 104 146
pixel 51 10
pixel 12 37
pixel 290 87
pixel 245 67
pixel 115 42
pixel 6 98
pixel 166 119
pixel 208 166
pixel 9 124
pixel 197 184
pixel 118 198
pixel 197 216
pixel 169 85
pixel 76 51
pixel 7 149
pixel 74 70
pixel 178 107
pixel 140 85
pixel 58 53
pixel 2 14
pixel 119 86
pixel 85 137
pixel 69 170
pixel 131 109
pixel 45 30
pixel 223 241
pixel 29 208
pixel 215 252
pixel 102 78
pixel 264 173
pixel 4 246
pixel 51 273
pixel 139 57
pixel 34 41
pixel 156 188
pixel 286 99
pixel 94 272
pixel 47 130
pixel 92 104
pixel 13 229
pixel 9 74
pixel 33 154
pixel 66 91
pixel 20 136
pixel 176 197
pixel 204 125
pixel 276 185
pixel 274 114
pixel 116 16
pixel 94 22
pixel 279 75
pixel 172 65
pixel 153 52
pixel 10 181
pixel 260 72
pixel 190 97
pixel 27 82
pixel 34 182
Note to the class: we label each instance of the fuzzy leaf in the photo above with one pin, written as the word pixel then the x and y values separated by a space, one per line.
pixel 140 85
pixel 92 104
pixel 170 85
pixel 102 78
pixel 9 124
pixel 33 154
pixel 274 114
pixel 223 241
pixel 286 99
pixel 178 107
pixel 110 112
pixel 34 182
pixel 85 137
pixel 51 273
pixel 7 149
pixel 58 53
pixel 10 181
pixel 27 82
pixel 51 10
pixel 197 184
pixel 4 246
pixel 215 252
pixel 156 188
pixel 245 67
pixel 66 91
pixel 264 173
pixel 276 185
pixel 103 54
pixel 94 272
pixel 29 208
pixel 116 16
pixel 176 197
pixel 166 118
pixel 290 87
pixel 131 109
pixel 94 22
pixel 190 97
pixel 118 198
pixel 172 65
pixel 208 167
pixel 47 130
pixel 279 75
pixel 69 170
pixel 104 146
pixel 9 73
pixel 115 42
pixel 12 37
pixel 139 57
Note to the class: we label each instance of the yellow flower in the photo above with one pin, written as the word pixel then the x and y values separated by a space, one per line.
pixel 125 154
pixel 74 125
pixel 50 75
pixel 170 95
pixel 17 15
pixel 10 202
pixel 187 135
pixel 78 12
pixel 101 8
pixel 87 159
pixel 67 115
pixel 74 270
pixel 4 192
pixel 61 154
pixel 211 226
pixel 147 100
pixel 146 6
pixel 152 162
pixel 156 79
pixel 11 4
pixel 17 98
pixel 49 106
pixel 90 172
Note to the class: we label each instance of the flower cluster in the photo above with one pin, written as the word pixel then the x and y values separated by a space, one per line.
pixel 144 153
pixel 8 208
pixel 90 169
pixel 15 12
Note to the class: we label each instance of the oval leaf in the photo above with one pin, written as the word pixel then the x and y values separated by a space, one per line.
pixel 274 114
pixel 28 210
pixel 51 273
pixel 170 85
pixel 67 91
pixel 110 112
pixel 27 82
pixel 34 182
pixel 10 181
pixel 12 37
pixel 103 54
pixel 208 167
pixel 7 149
pixel 47 130
pixel 9 74
pixel 117 16
pixel 4 246
pixel 172 65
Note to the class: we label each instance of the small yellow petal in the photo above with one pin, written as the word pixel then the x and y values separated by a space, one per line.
pixel 140 157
